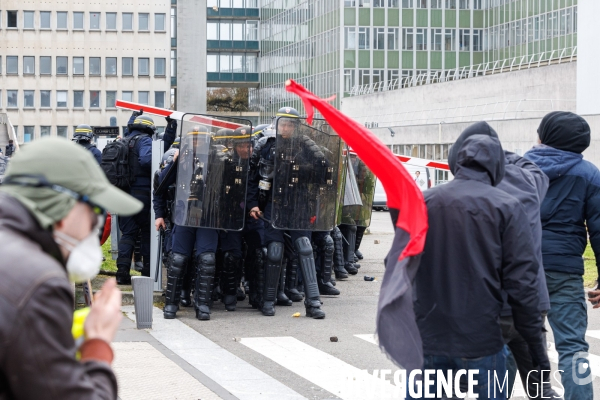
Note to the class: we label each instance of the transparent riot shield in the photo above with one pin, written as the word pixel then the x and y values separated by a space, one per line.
pixel 212 172
pixel 305 182
pixel 359 192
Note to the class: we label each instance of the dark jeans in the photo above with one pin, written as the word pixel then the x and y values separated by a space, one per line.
pixel 130 228
pixel 568 319
pixel 492 364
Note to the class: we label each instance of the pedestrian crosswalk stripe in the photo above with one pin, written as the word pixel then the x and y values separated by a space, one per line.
pixel 593 333
pixel 593 359
pixel 369 338
pixel 330 373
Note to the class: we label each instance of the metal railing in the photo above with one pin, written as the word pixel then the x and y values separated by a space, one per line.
pixel 489 68
pixel 490 111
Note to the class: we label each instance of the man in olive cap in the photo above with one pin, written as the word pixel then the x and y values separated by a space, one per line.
pixel 53 200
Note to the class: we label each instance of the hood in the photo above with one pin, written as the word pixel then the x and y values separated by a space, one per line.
pixel 480 158
pixel 479 128
pixel 553 162
pixel 564 131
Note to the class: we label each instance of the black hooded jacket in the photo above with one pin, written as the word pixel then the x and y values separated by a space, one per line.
pixel 478 244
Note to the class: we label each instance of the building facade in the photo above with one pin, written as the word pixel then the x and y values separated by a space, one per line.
pixel 65 63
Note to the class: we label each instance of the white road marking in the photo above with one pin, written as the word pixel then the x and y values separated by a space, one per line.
pixel 330 373
pixel 369 338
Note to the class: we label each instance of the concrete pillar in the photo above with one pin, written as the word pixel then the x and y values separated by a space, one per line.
pixel 588 57
pixel 191 56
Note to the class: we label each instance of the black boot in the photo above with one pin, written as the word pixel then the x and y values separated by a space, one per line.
pixel 229 282
pixel 291 281
pixel 123 277
pixel 326 262
pixel 257 284
pixel 312 302
pixel 360 231
pixel 205 275
pixel 186 287
pixel 338 254
pixel 272 273
pixel 175 274
pixel 282 299
pixel 349 244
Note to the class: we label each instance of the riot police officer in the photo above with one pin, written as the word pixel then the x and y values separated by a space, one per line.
pixel 260 201
pixel 84 136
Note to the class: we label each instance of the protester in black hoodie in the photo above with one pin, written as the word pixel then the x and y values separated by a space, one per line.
pixel 479 244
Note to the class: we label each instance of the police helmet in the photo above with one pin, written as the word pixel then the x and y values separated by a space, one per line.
pixel 83 132
pixel 167 158
pixel 288 112
pixel 143 123
pixel 259 129
pixel 175 144
pixel 242 134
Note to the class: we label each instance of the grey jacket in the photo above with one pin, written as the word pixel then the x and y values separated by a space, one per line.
pixel 37 349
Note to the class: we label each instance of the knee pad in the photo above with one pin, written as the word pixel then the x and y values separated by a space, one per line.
pixel 303 247
pixel 207 262
pixel 327 243
pixel 178 264
pixel 352 228
pixel 275 252
pixel 336 233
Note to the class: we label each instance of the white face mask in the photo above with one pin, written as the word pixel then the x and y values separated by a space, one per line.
pixel 85 256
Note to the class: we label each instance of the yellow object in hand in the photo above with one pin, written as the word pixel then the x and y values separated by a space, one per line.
pixel 77 330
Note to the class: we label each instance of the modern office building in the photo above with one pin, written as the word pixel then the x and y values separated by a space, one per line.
pixel 65 63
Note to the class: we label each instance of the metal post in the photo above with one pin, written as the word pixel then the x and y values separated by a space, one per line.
pixel 157 152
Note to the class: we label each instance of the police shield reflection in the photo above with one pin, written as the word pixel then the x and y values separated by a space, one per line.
pixel 359 191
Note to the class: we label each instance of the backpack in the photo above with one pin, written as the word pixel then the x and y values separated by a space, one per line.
pixel 118 162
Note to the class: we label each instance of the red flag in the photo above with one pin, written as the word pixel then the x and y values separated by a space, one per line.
pixel 402 192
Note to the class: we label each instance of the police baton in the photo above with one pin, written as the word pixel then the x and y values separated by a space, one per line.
pixel 161 233
pixel 260 216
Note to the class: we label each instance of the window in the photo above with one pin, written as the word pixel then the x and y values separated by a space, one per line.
pixel 127 66
pixel 464 40
pixel 421 38
pixel 28 19
pixel 94 99
pixel 392 39
pixel 478 39
pixel 349 3
pixel 421 3
pixel 45 19
pixel 159 99
pixel 378 3
pixel 364 77
pixel 451 4
pixel 95 20
pixel 61 20
pixel 142 22
pixel 159 22
pixel 212 30
pixel 95 65
pixel 61 98
pixel 348 79
pixel 111 97
pixel 364 39
pixel 61 131
pixel 11 98
pixel 78 99
pixel 477 4
pixel 238 28
pixel 225 30
pixel 173 22
pixel 435 3
pixel 111 66
pixel 407 38
pixel 225 62
pixel 407 3
pixel 436 39
pixel 127 95
pixel 350 37
pixel 45 98
pixel 393 3
pixel 28 132
pixel 12 65
pixel 449 41
pixel 159 66
pixel 463 4
pixel 173 63
pixel 379 38
pixel 28 98
pixel 77 65
pixel 127 22
pixel 28 65
pixel 78 20
pixel 251 30
pixel 143 66
pixel 62 65
pixel 45 131
pixel 392 75
pixel 143 97
pixel 11 19
pixel 111 21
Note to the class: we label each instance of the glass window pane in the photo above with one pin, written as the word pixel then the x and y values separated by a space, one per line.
pixel 61 98
pixel 238 63
pixel 212 31
pixel 28 19
pixel 127 95
pixel 78 98
pixel 45 65
pixel 143 97
pixel 61 131
pixel 111 97
pixel 44 131
pixel 238 30
pixel 95 65
pixel 225 30
pixel 77 20
pixel 143 66
pixel 127 66
pixel 11 98
pixel 28 65
pixel 127 21
pixel 62 64
pixel 61 20
pixel 174 63
pixel 45 19
pixel 159 99
pixel 77 65
pixel 12 64
pixel 225 63
pixel 212 63
pixel 28 98
pixel 45 98
pixel 143 22
pixel 159 22
pixel 28 132
pixel 111 21
pixel 159 66
pixel 111 66
pixel 11 19
pixel 94 98
pixel 94 20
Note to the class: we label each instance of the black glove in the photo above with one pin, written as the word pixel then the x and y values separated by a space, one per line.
pixel 171 123
pixel 138 113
